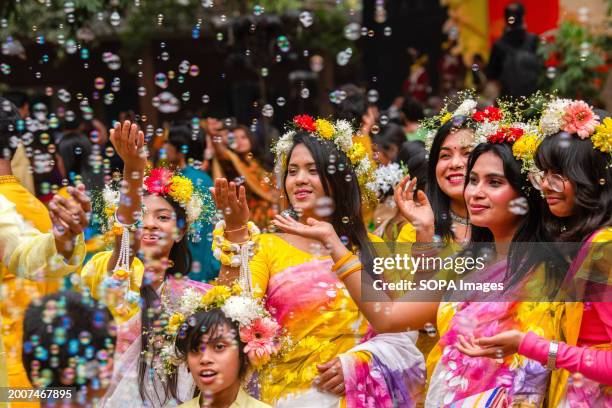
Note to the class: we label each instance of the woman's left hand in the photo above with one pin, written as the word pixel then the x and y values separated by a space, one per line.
pixel 320 230
pixel 331 377
pixel 498 346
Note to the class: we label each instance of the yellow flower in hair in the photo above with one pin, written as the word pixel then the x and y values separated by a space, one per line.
pixel 324 128
pixel 445 118
pixel 175 321
pixel 216 296
pixel 602 139
pixel 181 189
pixel 356 153
pixel 525 147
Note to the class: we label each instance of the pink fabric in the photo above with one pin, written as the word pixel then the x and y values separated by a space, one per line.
pixel 592 363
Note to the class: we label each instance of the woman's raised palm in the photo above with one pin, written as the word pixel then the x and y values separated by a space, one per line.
pixel 231 202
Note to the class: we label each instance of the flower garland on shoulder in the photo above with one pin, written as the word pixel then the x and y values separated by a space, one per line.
pixel 341 134
pixel 261 333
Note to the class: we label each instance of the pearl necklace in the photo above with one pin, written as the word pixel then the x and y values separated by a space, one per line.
pixel 459 219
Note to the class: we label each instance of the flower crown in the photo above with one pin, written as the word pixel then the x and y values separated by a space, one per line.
pixel 260 332
pixel 466 107
pixel 198 204
pixel 341 134
pixel 576 117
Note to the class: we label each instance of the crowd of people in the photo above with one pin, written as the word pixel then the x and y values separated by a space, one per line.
pixel 156 286
pixel 189 266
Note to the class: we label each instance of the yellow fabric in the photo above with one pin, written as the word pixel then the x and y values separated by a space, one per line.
pixel 96 270
pixel 20 166
pixel 570 321
pixel 243 400
pixel 26 252
pixel 316 337
pixel 471 18
pixel 19 292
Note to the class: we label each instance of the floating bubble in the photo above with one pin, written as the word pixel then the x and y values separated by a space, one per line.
pixel 387 31
pixel 430 329
pixel 267 110
pixel 194 70
pixel 71 46
pixel 372 95
pixel 205 98
pixel 161 80
pixel 264 72
pixel 343 58
pixel 258 10
pixel 519 206
pixel 142 91
pixel 551 72
pixel 324 206
pixel 115 19
pixel 316 63
pixel 306 18
pixel 351 31
pixel 5 68
pixel 283 43
pixel 185 96
pixel 280 101
pixel 305 93
pixel 345 220
pixel 183 67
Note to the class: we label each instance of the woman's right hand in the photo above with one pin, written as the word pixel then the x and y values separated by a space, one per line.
pixel 418 212
pixel 232 203
pixel 128 141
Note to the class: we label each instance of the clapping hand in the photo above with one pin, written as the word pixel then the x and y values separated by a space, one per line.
pixel 70 217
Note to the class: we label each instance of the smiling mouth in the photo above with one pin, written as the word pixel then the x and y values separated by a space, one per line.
pixel 455 179
pixel 207 376
pixel 302 194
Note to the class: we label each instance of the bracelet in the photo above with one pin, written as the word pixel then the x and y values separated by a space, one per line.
pixel 342 261
pixel 553 348
pixel 131 226
pixel 348 265
pixel 230 253
pixel 238 229
pixel 350 271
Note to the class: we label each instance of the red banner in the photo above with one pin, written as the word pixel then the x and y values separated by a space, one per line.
pixel 540 16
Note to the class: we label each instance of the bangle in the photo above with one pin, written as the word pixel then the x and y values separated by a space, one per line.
pixel 553 348
pixel 348 265
pixel 349 272
pixel 342 261
pixel 131 226
pixel 229 253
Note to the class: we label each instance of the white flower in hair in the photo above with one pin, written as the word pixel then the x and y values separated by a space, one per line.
pixel 284 144
pixel 241 309
pixel 194 208
pixel 189 301
pixel 363 167
pixel 344 140
pixel 484 130
pixel 467 108
pixel 387 177
pixel 111 197
pixel 551 120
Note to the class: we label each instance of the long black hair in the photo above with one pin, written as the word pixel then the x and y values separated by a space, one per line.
pixel 342 186
pixel 440 202
pixel 523 254
pixel 591 176
pixel 211 323
pixel 151 308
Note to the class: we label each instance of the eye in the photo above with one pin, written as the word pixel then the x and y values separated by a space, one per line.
pixel 495 183
pixel 313 170
pixel 473 180
pixel 164 218
pixel 292 172
pixel 444 156
pixel 220 346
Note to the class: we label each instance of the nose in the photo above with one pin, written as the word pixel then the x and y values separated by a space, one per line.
pixel 206 355
pixel 457 161
pixel 301 177
pixel 148 221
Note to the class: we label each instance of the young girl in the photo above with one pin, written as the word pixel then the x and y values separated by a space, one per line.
pixel 218 340
pixel 576 181
pixel 331 363
pixel 169 205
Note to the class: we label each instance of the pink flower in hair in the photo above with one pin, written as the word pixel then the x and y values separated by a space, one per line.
pixel 579 118
pixel 261 340
pixel 159 181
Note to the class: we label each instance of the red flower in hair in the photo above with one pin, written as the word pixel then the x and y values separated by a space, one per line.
pixel 158 181
pixel 306 122
pixel 507 135
pixel 490 113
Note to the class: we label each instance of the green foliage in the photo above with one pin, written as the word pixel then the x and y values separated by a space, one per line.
pixel 573 58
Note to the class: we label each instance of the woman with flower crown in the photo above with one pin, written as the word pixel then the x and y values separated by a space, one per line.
pixel 154 216
pixel 576 180
pixel 333 360
pixel 505 224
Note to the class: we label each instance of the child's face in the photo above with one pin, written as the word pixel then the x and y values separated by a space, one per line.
pixel 216 365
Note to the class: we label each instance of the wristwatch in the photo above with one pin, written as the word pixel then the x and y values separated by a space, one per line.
pixel 553 348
